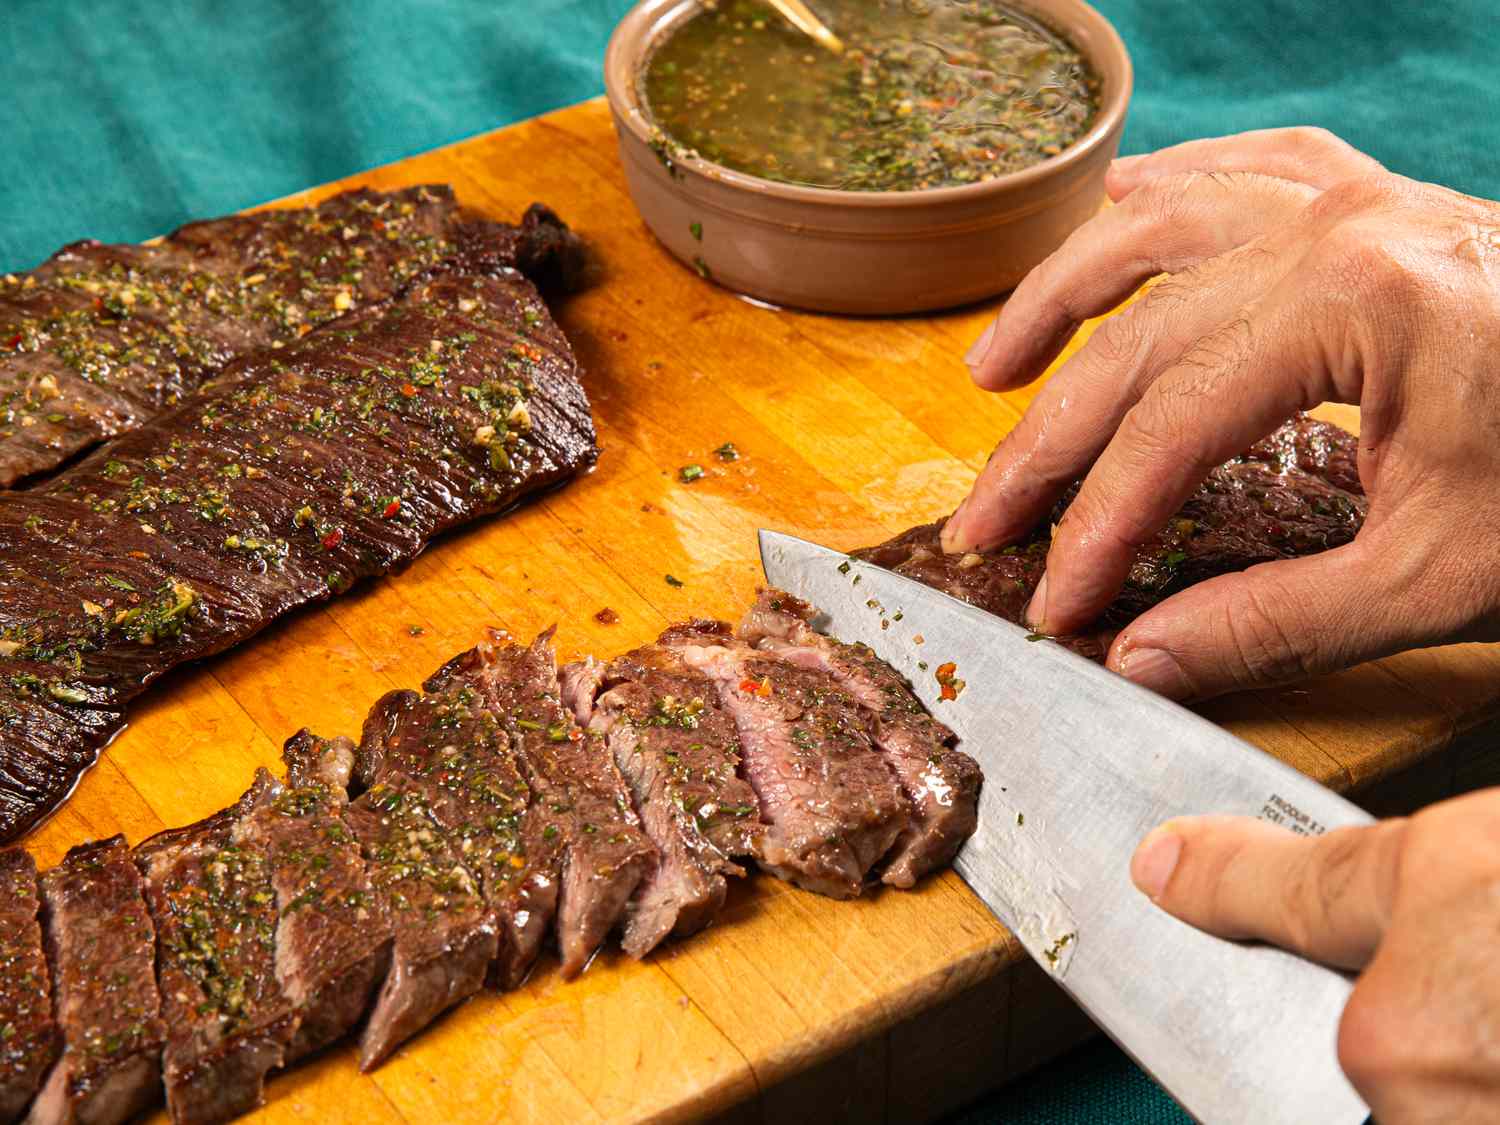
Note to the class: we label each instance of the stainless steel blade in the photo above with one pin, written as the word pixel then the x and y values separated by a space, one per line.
pixel 1079 765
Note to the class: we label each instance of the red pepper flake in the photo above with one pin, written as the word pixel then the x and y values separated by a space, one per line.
pixel 761 687
pixel 14 341
pixel 379 226
pixel 408 390
pixel 575 735
pixel 333 539
pixel 392 510
pixel 949 685
pixel 607 616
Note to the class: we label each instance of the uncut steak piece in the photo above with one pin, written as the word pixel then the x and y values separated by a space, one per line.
pixel 828 799
pixel 941 781
pixel 444 935
pixel 333 936
pixel 447 745
pixel 678 750
pixel 578 798
pixel 227 1020
pixel 101 947
pixel 99 339
pixel 28 1035
pixel 288 478
pixel 1295 493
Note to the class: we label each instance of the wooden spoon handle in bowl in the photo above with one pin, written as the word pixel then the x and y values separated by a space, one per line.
pixel 800 16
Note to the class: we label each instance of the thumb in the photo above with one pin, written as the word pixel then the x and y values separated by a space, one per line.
pixel 1325 897
pixel 1274 623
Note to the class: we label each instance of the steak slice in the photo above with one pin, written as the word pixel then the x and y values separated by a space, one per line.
pixel 445 936
pixel 579 801
pixel 448 745
pixel 102 949
pixel 1295 493
pixel 28 1034
pixel 228 1022
pixel 941 782
pixel 829 801
pixel 678 751
pixel 99 339
pixel 333 937
pixel 290 476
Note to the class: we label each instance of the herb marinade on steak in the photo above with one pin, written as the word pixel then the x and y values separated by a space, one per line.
pixel 99 339
pixel 505 802
pixel 28 1035
pixel 287 478
pixel 227 1020
pixel 1295 493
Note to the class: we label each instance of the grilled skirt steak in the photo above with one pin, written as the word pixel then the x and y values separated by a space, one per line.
pixel 1295 493
pixel 333 936
pixel 228 1022
pixel 99 339
pixel 448 745
pixel 444 936
pixel 28 1035
pixel 678 751
pixel 578 798
pixel 101 946
pixel 941 782
pixel 505 801
pixel 829 801
pixel 289 477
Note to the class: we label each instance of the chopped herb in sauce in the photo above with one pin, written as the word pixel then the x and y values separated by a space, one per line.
pixel 689 473
pixel 928 93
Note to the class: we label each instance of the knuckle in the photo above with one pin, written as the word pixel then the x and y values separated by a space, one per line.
pixel 1314 141
pixel 1119 343
pixel 1261 647
pixel 1162 203
pixel 1356 194
pixel 1370 262
pixel 1318 883
pixel 1375 1046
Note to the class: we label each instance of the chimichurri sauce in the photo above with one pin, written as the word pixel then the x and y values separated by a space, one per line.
pixel 928 93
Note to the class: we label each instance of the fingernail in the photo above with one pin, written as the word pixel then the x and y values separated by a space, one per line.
pixel 949 540
pixel 981 348
pixel 1157 670
pixel 1154 861
pixel 1036 609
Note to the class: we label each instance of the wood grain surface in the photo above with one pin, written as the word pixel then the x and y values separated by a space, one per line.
pixel 896 1007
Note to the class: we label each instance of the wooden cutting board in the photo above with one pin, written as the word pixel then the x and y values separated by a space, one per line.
pixel 792 1007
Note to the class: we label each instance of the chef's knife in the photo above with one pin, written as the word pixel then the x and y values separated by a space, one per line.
pixel 1079 765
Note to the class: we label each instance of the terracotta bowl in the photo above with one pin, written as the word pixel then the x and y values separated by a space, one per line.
pixel 864 252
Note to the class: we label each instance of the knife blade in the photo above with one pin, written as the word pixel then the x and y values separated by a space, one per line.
pixel 1079 765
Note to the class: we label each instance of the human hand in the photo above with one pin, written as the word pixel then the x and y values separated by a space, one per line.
pixel 1412 905
pixel 1301 272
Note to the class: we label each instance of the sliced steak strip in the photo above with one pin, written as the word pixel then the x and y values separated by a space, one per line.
pixel 333 937
pixel 28 1035
pixel 99 339
pixel 289 477
pixel 445 936
pixel 448 745
pixel 829 801
pixel 228 1022
pixel 678 751
pixel 1295 493
pixel 941 782
pixel 578 798
pixel 101 946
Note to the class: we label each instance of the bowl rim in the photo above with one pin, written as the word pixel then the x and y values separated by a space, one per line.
pixel 621 67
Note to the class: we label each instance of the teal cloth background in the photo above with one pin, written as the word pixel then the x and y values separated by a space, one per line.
pixel 120 121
